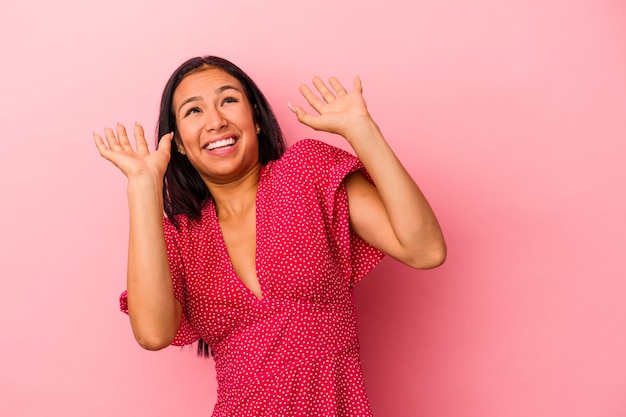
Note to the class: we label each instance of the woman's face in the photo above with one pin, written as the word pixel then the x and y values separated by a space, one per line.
pixel 216 126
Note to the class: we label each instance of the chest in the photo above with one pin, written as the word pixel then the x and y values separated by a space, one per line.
pixel 295 260
pixel 287 247
pixel 239 238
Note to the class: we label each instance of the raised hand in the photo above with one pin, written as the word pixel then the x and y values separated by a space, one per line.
pixel 339 111
pixel 134 162
pixel 393 216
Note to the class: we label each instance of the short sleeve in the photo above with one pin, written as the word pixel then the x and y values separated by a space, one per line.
pixel 186 334
pixel 329 166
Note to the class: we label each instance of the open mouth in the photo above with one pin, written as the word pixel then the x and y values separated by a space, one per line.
pixel 220 144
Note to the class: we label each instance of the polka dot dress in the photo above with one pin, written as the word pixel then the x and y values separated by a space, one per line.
pixel 295 351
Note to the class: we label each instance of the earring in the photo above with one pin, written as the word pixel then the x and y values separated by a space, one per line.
pixel 181 150
pixel 258 130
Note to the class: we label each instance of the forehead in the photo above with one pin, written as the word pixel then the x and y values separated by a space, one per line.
pixel 208 80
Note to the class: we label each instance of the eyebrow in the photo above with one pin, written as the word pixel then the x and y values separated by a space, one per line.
pixel 218 91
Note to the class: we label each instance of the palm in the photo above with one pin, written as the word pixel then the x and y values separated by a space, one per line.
pixel 338 111
pixel 131 161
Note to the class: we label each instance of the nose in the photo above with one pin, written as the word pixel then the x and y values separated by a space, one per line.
pixel 215 120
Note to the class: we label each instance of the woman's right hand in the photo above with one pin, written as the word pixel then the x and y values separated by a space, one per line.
pixel 134 163
pixel 155 314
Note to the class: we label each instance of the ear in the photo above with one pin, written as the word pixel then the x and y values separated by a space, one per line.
pixel 256 117
pixel 179 145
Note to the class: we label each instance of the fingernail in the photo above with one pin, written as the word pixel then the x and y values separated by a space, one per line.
pixel 290 106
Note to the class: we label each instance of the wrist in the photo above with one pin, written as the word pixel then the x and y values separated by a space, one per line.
pixel 362 130
pixel 144 182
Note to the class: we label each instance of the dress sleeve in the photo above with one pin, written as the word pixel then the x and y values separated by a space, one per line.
pixel 329 166
pixel 186 334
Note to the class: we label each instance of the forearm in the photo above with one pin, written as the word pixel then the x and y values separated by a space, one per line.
pixel 413 222
pixel 151 304
pixel 393 217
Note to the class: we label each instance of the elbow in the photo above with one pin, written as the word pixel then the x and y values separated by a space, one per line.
pixel 154 331
pixel 434 261
pixel 430 258
pixel 153 337
pixel 153 342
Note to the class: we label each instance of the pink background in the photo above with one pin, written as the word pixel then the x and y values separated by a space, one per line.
pixel 510 115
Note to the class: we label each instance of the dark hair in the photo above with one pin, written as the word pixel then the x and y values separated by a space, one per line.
pixel 184 191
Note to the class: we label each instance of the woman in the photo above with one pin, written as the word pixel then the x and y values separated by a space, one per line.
pixel 261 247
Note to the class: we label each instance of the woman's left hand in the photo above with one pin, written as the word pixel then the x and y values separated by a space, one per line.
pixel 393 216
pixel 339 111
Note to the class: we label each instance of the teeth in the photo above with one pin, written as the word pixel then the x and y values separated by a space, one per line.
pixel 220 143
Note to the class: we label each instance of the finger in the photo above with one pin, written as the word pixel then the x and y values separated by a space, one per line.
pixel 328 96
pixel 357 85
pixel 112 141
pixel 104 150
pixel 140 139
pixel 102 147
pixel 311 98
pixel 165 143
pixel 122 137
pixel 334 82
pixel 303 116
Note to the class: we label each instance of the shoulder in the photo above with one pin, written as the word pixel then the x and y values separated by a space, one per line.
pixel 307 145
pixel 186 225
pixel 312 155
pixel 311 147
pixel 313 164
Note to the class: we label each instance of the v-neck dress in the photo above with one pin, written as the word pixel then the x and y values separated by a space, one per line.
pixel 295 351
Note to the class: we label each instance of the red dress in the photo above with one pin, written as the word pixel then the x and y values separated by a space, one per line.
pixel 295 351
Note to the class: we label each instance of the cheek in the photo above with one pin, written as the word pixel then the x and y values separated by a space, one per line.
pixel 243 115
pixel 188 128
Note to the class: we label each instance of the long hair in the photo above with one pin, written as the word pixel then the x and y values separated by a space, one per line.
pixel 184 191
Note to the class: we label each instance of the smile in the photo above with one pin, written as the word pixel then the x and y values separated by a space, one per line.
pixel 223 143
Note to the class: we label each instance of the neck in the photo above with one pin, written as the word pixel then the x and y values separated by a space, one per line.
pixel 236 197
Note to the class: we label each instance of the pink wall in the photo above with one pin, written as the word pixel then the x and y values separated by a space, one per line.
pixel 511 115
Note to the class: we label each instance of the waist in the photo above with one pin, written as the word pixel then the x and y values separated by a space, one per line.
pixel 282 335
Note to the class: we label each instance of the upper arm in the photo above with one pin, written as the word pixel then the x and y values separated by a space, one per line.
pixel 178 313
pixel 370 220
pixel 368 217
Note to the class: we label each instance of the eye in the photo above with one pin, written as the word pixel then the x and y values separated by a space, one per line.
pixel 192 110
pixel 227 100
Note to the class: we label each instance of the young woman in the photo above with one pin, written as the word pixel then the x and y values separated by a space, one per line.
pixel 261 247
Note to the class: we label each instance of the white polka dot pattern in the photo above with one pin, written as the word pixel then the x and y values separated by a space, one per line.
pixel 295 351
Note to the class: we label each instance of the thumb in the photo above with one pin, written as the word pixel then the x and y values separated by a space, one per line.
pixel 165 143
pixel 303 117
